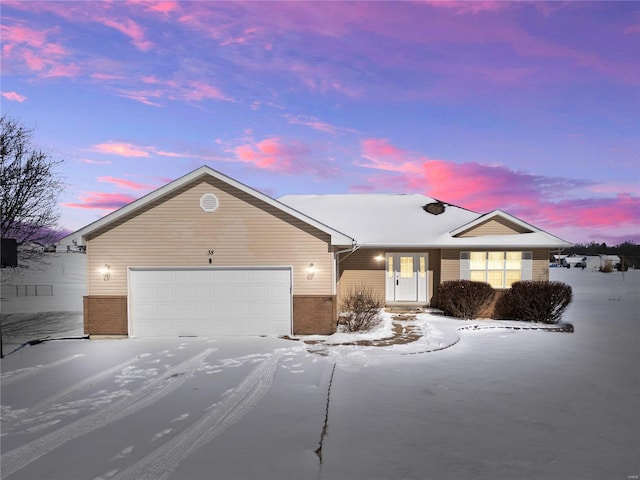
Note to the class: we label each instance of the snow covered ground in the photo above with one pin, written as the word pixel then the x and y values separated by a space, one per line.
pixel 496 404
pixel 55 312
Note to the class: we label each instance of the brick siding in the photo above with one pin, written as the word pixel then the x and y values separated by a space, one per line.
pixel 105 315
pixel 314 314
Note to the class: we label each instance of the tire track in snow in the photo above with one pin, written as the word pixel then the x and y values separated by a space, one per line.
pixel 11 377
pixel 160 463
pixel 146 395
pixel 50 401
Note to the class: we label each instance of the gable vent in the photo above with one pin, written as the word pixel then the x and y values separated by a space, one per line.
pixel 209 202
pixel 434 208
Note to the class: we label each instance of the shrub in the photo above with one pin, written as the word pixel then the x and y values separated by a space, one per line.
pixel 360 310
pixel 607 267
pixel 623 266
pixel 534 301
pixel 464 298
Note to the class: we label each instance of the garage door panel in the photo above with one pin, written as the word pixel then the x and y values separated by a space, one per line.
pixel 238 301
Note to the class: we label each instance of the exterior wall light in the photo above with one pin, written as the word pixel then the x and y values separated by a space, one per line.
pixel 379 257
pixel 106 272
pixel 311 271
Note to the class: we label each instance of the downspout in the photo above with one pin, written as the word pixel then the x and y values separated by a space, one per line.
pixel 351 250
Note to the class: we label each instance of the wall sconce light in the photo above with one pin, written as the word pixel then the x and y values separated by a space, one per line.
pixel 106 272
pixel 379 257
pixel 311 271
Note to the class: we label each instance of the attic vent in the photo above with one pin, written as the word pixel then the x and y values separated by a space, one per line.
pixel 209 202
pixel 434 208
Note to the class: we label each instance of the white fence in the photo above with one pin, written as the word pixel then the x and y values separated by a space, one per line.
pixel 27 290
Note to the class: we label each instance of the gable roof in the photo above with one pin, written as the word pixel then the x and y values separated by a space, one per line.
pixel 490 216
pixel 337 238
pixel 399 220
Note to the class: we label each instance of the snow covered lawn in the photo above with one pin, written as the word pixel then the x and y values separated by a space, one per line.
pixel 497 404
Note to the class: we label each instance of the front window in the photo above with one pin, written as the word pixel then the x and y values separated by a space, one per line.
pixel 498 269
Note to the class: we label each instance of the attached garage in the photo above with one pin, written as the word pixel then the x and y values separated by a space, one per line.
pixel 210 301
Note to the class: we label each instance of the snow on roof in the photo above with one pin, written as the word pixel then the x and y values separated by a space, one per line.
pixel 388 220
pixel 381 219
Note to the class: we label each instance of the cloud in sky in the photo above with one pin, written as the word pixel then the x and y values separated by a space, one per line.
pixel 14 96
pixel 277 155
pixel 320 63
pixel 130 29
pixel 36 50
pixel 91 161
pixel 546 201
pixel 312 122
pixel 129 150
pixel 123 183
pixel 101 201
pixel 122 149
pixel 109 201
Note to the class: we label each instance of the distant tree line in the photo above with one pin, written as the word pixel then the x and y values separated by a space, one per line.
pixel 627 250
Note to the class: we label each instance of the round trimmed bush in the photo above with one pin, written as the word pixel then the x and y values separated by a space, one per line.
pixel 534 301
pixel 464 298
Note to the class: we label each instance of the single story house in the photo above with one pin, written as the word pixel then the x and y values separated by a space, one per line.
pixel 575 261
pixel 208 255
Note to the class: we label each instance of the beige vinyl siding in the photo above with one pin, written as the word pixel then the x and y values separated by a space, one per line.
pixel 362 267
pixel 495 226
pixel 243 231
pixel 540 268
pixel 451 263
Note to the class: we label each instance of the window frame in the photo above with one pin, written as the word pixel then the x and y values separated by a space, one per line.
pixel 495 267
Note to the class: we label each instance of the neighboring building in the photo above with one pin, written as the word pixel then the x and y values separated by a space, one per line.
pixel 610 260
pixel 208 255
pixel 575 261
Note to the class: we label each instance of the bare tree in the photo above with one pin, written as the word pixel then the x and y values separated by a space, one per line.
pixel 29 186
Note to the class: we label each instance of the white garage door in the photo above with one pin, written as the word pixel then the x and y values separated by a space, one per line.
pixel 209 301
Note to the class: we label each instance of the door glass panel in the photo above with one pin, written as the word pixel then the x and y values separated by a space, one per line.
pixel 423 268
pixel 390 267
pixel 406 267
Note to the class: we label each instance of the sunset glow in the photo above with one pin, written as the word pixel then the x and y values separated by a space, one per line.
pixel 529 107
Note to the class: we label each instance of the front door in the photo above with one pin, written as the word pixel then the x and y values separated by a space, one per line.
pixel 404 274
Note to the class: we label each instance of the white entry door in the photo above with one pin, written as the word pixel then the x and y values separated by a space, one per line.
pixel 188 301
pixel 406 277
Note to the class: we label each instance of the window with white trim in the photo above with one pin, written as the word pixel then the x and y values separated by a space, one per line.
pixel 498 269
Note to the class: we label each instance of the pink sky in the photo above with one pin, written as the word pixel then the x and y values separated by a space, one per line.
pixel 528 107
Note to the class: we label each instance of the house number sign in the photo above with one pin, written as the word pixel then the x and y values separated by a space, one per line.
pixel 210 252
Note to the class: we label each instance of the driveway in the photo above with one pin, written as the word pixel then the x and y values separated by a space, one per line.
pixel 139 408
